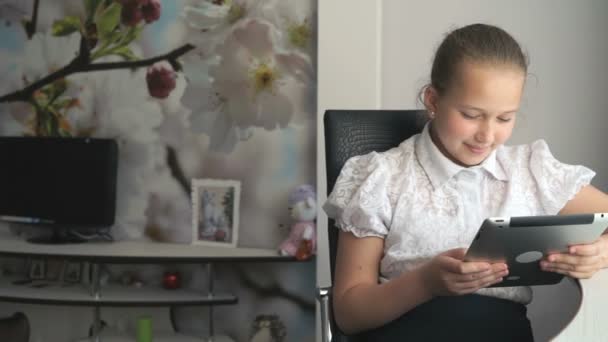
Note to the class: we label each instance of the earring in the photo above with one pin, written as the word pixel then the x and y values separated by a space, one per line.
pixel 432 115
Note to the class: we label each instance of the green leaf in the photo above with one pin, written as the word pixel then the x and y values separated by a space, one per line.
pixel 41 99
pixel 61 85
pixel 114 37
pixel 91 6
pixel 47 95
pixel 132 34
pixel 63 103
pixel 100 51
pixel 107 20
pixel 56 89
pixel 66 26
pixel 26 25
pixel 48 123
pixel 125 52
pixel 64 133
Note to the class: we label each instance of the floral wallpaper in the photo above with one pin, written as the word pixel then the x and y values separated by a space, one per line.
pixel 189 89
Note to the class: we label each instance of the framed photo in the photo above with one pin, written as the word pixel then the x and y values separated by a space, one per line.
pixel 215 212
pixel 72 271
pixel 37 269
pixel 54 269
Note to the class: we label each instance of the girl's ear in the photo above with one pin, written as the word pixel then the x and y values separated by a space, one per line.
pixel 431 99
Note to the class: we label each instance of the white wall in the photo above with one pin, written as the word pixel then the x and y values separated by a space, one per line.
pixel 566 99
pixel 377 54
pixel 349 74
pixel 349 38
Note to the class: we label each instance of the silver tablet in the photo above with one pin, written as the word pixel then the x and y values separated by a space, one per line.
pixel 522 241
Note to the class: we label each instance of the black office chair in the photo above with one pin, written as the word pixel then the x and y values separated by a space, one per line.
pixel 349 133
pixel 15 328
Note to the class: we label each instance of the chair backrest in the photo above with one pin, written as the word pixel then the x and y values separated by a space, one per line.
pixel 15 328
pixel 356 132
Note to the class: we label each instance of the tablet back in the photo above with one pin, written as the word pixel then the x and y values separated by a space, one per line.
pixel 522 241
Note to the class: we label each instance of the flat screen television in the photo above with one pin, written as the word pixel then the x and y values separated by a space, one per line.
pixel 60 184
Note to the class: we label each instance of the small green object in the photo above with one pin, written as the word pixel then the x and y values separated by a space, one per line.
pixel 144 329
pixel 107 19
pixel 65 26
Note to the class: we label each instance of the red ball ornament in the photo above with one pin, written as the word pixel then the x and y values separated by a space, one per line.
pixel 171 280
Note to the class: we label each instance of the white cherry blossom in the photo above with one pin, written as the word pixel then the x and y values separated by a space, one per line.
pixel 251 86
pixel 210 22
pixel 295 23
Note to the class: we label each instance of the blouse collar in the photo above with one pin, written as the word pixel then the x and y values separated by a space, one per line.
pixel 440 169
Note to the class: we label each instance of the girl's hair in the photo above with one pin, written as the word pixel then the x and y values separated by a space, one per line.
pixel 476 43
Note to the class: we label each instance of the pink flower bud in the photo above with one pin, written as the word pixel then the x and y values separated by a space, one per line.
pixel 151 10
pixel 131 13
pixel 161 80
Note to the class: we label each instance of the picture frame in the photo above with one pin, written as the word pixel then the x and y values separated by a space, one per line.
pixel 215 212
pixel 54 269
pixel 72 272
pixel 37 269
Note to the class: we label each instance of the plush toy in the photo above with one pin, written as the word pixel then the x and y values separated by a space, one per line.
pixel 302 238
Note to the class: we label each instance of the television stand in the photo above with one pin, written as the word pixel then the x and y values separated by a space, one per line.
pixel 90 292
pixel 59 237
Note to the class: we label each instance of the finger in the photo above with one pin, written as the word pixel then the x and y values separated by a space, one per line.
pixel 498 267
pixel 553 267
pixel 585 250
pixel 474 267
pixel 576 274
pixel 462 267
pixel 572 259
pixel 496 270
pixel 479 279
pixel 482 283
pixel 471 277
pixel 456 253
pixel 492 279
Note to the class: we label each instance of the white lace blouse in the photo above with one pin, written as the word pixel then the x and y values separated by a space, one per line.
pixel 423 204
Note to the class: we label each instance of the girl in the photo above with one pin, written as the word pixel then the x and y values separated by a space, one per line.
pixel 406 213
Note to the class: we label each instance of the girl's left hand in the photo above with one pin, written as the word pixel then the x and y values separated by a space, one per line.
pixel 581 261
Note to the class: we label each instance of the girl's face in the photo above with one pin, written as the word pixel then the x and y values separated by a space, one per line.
pixel 477 113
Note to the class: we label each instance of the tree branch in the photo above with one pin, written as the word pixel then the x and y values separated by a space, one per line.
pixel 176 170
pixel 30 26
pixel 80 64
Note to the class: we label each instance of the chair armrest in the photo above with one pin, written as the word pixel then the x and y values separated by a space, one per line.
pixel 323 298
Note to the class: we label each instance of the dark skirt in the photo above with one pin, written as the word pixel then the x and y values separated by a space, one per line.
pixel 468 318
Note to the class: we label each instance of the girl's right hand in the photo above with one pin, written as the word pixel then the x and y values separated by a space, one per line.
pixel 448 275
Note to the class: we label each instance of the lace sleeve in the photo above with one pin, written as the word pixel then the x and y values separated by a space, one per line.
pixel 359 201
pixel 557 182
